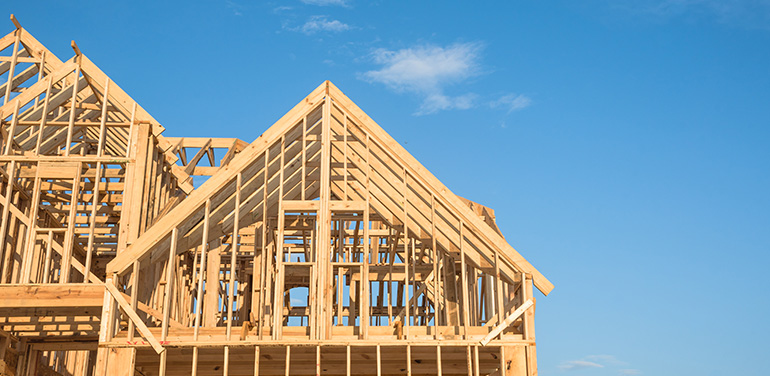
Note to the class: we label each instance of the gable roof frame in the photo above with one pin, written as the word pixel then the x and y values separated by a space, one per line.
pixel 55 70
pixel 219 189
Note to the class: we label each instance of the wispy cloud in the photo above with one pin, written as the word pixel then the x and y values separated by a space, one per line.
pixel 323 3
pixel 745 13
pixel 606 359
pixel 234 7
pixel 440 102
pixel 511 102
pixel 427 70
pixel 316 24
pixel 600 361
pixel 579 364
pixel 282 8
pixel 718 7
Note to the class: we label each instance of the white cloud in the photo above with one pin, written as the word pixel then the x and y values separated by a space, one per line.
pixel 282 8
pixel 323 3
pixel 439 102
pixel 322 23
pixel 630 372
pixel 579 364
pixel 511 102
pixel 427 70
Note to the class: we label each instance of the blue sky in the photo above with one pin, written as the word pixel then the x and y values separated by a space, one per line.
pixel 623 144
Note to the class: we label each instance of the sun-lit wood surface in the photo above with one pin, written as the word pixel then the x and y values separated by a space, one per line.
pixel 323 247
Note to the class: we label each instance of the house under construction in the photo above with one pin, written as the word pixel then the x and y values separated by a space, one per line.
pixel 321 248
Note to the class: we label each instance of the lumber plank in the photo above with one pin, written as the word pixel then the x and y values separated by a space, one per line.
pixel 48 296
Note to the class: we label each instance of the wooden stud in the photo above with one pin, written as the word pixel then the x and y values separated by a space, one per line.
pixel 103 120
pixel 410 257
pixel 47 265
pixel 347 360
pixel 73 107
pixel 503 368
pixel 12 130
pixel 409 360
pixel 266 257
pixel 287 366
pixel 256 360
pixel 43 116
pixel 436 279
pixel 6 252
pixel 92 225
pixel 323 304
pixel 170 268
pixel 498 290
pixel 26 265
pixel 69 241
pixel 199 297
pixel 134 282
pixel 469 360
pixel 131 130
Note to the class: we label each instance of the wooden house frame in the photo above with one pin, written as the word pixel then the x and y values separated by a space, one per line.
pixel 321 248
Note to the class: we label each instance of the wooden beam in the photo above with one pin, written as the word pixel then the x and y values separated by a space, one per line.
pixel 507 322
pixel 15 22
pixel 58 295
pixel 126 307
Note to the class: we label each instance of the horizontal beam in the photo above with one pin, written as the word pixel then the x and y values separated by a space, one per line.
pixel 303 343
pixel 66 346
pixel 53 295
pixel 41 158
pixel 199 142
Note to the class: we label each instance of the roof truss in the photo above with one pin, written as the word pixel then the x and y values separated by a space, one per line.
pixel 394 171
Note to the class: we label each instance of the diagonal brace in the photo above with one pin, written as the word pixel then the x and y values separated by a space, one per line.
pixel 126 307
pixel 507 322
